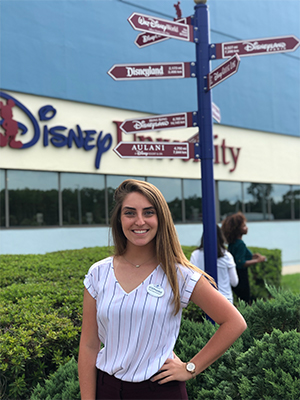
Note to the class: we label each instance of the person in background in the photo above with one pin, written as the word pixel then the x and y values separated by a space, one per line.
pixel 226 270
pixel 133 304
pixel 234 227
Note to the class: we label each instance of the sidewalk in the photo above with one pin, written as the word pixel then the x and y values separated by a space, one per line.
pixel 290 269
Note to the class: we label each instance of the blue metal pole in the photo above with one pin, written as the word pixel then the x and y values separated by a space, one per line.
pixel 201 34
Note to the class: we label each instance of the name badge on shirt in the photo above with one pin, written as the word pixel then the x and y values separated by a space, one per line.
pixel 155 290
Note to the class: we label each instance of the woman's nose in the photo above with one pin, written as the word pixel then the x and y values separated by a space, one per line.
pixel 140 219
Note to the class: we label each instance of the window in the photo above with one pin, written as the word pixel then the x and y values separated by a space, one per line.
pixel 281 202
pixel 171 190
pixel 83 199
pixel 2 197
pixel 295 202
pixel 258 203
pixel 33 198
pixel 192 200
pixel 230 198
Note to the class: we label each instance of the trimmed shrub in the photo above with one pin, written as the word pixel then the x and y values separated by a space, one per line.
pixel 270 369
pixel 62 385
pixel 40 315
pixel 281 312
pixel 268 271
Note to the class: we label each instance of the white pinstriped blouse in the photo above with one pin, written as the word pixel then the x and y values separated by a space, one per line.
pixel 138 329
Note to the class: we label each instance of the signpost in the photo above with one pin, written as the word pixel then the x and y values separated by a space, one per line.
pixel 256 47
pixel 164 27
pixel 125 72
pixel 181 150
pixel 195 30
pixel 223 72
pixel 159 122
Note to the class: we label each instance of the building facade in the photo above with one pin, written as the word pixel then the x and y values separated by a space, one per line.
pixel 58 157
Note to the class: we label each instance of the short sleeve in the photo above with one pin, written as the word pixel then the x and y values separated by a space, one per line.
pixel 89 283
pixel 240 254
pixel 187 283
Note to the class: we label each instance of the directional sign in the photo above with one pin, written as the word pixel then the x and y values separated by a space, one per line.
pixel 146 39
pixel 159 122
pixel 223 72
pixel 255 47
pixel 164 27
pixel 150 71
pixel 155 150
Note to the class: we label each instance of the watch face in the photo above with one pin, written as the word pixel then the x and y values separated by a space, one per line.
pixel 190 367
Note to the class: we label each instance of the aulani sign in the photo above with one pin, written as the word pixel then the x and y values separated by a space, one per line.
pixel 59 136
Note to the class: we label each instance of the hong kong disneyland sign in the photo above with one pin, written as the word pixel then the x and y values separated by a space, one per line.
pixel 58 136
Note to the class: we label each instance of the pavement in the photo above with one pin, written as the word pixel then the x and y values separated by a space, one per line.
pixel 290 269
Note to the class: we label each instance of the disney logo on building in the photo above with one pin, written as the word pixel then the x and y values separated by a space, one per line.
pixel 58 136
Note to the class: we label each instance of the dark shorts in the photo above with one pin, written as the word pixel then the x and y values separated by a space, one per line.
pixel 109 387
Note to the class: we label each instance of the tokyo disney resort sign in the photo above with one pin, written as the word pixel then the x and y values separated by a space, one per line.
pixel 58 136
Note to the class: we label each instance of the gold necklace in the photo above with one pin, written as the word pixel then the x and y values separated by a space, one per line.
pixel 138 265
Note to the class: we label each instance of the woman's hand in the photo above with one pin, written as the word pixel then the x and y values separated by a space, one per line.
pixel 172 370
pixel 258 257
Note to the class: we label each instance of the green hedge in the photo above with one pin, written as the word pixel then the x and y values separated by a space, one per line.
pixel 269 369
pixel 40 315
pixel 41 309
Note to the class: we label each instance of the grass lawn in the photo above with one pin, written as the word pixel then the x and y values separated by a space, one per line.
pixel 291 282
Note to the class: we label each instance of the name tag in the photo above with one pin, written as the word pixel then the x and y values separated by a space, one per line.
pixel 155 290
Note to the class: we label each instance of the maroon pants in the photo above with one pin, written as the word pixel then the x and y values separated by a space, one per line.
pixel 109 387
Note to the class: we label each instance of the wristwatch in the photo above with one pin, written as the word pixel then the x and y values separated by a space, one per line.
pixel 191 367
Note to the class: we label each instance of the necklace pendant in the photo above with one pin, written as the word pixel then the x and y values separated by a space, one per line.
pixel 137 266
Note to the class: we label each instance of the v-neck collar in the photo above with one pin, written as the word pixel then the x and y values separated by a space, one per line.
pixel 136 288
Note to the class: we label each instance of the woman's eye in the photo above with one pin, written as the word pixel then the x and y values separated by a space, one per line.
pixel 149 213
pixel 129 213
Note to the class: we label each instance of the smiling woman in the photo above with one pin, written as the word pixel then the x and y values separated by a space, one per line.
pixel 133 304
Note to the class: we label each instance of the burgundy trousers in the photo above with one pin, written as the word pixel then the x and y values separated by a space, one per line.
pixel 109 387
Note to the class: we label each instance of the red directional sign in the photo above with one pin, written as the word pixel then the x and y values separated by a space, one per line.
pixel 150 71
pixel 146 39
pixel 164 27
pixel 223 72
pixel 155 150
pixel 255 47
pixel 158 122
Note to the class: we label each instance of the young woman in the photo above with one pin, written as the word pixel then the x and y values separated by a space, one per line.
pixel 133 303
pixel 233 228
pixel 226 270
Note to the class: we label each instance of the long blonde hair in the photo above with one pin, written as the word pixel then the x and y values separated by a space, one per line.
pixel 168 249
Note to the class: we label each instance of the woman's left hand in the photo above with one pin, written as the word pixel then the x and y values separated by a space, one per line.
pixel 172 370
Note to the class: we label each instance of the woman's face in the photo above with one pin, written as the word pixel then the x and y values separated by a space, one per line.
pixel 138 219
pixel 244 228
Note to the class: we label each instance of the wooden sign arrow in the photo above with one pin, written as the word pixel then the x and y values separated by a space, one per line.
pixel 180 150
pixel 223 72
pixel 159 122
pixel 256 47
pixel 150 71
pixel 164 27
pixel 146 39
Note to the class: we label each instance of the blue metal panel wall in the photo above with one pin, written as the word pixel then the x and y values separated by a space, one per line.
pixel 64 49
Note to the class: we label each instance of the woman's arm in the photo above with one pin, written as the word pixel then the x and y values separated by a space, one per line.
pixel 233 277
pixel 256 258
pixel 232 325
pixel 88 349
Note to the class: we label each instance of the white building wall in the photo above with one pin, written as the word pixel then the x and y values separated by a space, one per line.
pixel 283 235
